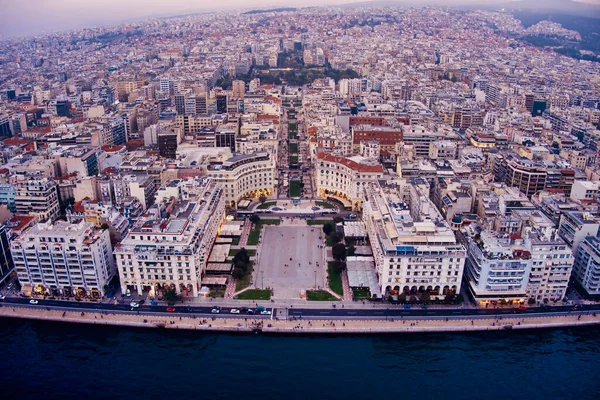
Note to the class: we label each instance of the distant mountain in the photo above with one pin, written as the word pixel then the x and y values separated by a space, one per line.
pixel 270 10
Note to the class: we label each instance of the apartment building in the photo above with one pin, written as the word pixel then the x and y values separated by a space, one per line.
pixel 415 250
pixel 171 250
pixel 73 259
pixel 586 269
pixel 37 196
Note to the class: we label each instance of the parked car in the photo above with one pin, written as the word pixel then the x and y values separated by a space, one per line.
pixel 234 311
pixel 265 312
pixel 215 310
pixel 2 297
pixel 33 301
pixel 170 309
pixel 244 309
pixel 133 304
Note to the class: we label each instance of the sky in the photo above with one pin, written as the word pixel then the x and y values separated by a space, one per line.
pixel 31 17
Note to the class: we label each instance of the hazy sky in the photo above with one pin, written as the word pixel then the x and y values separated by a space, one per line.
pixel 29 17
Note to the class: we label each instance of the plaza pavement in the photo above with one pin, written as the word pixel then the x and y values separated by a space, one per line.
pixel 288 256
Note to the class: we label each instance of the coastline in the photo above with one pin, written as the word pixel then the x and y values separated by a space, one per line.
pixel 304 326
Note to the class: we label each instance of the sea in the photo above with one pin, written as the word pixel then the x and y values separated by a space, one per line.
pixel 45 360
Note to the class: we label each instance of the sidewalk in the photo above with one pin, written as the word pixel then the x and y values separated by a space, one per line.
pixel 296 326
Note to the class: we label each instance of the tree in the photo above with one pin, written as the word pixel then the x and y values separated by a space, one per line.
pixel 531 301
pixel 413 299
pixel 170 294
pixel 255 219
pixel 339 251
pixel 339 266
pixel 337 220
pixel 242 256
pixel 328 228
pixel 262 199
pixel 402 297
pixel 238 273
pixel 425 298
pixel 459 298
pixel 336 237
pixel 350 250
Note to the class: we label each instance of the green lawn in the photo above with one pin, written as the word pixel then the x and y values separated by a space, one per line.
pixel 293 159
pixel 293 148
pixel 255 232
pixel 324 204
pixel 295 189
pixel 266 205
pixel 270 222
pixel 319 295
pixel 255 294
pixel 317 221
pixel 217 293
pixel 335 280
pixel 361 293
pixel 233 252
pixel 244 282
pixel 254 236
pixel 292 127
pixel 293 135
pixel 235 240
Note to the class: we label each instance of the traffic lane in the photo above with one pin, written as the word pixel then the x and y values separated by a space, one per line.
pixel 145 312
pixel 80 306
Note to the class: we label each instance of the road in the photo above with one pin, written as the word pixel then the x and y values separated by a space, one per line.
pixel 126 308
pixel 308 313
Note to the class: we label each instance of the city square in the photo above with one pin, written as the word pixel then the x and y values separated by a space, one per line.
pixel 290 260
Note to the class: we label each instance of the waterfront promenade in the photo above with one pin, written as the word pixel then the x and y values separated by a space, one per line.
pixel 305 325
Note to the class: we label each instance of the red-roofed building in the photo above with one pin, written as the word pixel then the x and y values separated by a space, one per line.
pixel 342 178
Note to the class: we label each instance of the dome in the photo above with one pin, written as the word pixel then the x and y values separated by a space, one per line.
pixel 457 219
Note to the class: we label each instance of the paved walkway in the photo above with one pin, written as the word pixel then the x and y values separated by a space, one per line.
pixel 245 232
pixel 347 290
pixel 244 324
pixel 230 289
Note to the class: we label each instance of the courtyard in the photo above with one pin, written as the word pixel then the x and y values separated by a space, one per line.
pixel 288 258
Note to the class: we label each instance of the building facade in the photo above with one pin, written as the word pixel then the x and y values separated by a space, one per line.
pixel 172 251
pixel 63 258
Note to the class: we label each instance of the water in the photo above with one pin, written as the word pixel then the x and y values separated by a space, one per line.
pixel 54 360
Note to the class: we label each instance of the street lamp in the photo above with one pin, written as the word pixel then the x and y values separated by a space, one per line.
pixel 262 274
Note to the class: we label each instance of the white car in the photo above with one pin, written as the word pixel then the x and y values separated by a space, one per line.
pixel 234 311
pixel 133 304
pixel 2 297
pixel 33 301
pixel 265 312
pixel 215 311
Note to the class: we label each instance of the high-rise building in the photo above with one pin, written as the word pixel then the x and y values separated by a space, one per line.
pixel 239 89
pixel 6 262
pixel 63 258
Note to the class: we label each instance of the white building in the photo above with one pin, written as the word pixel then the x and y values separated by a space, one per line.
pixel 586 269
pixel 497 267
pixel 245 175
pixel 414 248
pixel 574 226
pixel 73 259
pixel 585 190
pixel 161 251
